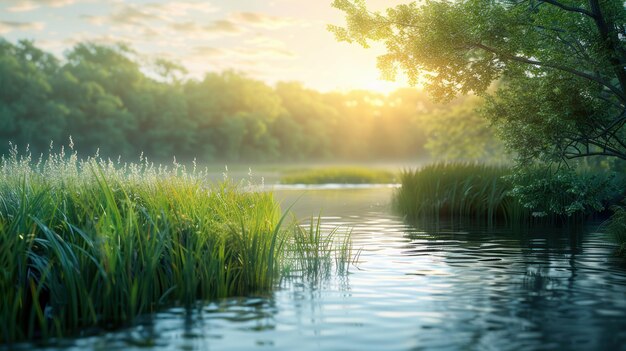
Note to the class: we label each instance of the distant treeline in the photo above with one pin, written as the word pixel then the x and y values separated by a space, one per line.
pixel 107 99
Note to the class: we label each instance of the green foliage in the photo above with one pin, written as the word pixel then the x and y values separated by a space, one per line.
pixel 564 191
pixel 616 228
pixel 27 112
pixel 490 193
pixel 458 191
pixel 338 175
pixel 559 65
pixel 95 243
pixel 552 73
pixel 101 96
pixel 459 133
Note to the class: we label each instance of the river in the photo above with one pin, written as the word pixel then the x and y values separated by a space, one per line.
pixel 429 286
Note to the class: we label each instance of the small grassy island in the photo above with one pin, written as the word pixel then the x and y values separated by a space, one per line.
pixel 491 194
pixel 96 243
pixel 339 175
pixel 458 190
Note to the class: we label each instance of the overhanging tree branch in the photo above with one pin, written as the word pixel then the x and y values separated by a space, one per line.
pixel 593 78
pixel 610 42
pixel 568 8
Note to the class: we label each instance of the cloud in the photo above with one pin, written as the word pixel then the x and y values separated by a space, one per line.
pixel 125 15
pixel 181 8
pixel 134 14
pixel 165 19
pixel 22 7
pixel 197 30
pixel 256 19
pixel 223 26
pixel 95 20
pixel 177 16
pixel 266 41
pixel 249 52
pixel 30 5
pixel 270 45
pixel 186 27
pixel 235 23
pixel 268 53
pixel 10 26
pixel 208 51
pixel 241 53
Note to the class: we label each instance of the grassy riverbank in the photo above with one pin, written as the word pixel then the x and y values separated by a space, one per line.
pixel 467 191
pixel 458 190
pixel 96 243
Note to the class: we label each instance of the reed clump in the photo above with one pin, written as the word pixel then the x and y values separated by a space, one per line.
pixel 339 175
pixel 458 191
pixel 316 252
pixel 95 242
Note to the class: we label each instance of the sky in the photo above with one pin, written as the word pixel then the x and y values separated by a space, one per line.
pixel 273 40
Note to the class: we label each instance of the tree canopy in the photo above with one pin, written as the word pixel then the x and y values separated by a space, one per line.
pixel 558 66
pixel 103 98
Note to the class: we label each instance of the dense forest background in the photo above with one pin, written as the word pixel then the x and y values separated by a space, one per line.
pixel 111 101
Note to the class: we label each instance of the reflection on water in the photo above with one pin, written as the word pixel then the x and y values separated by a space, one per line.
pixel 416 287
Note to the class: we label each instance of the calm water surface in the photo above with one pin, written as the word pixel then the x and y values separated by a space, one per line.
pixel 420 287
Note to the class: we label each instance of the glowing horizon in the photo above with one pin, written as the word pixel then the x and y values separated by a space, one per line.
pixel 280 40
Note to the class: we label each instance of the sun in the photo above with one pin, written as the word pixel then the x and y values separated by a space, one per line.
pixel 385 86
pixel 381 86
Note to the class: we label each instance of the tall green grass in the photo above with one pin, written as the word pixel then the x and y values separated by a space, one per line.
pixel 458 191
pixel 317 252
pixel 616 229
pixel 96 243
pixel 338 175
